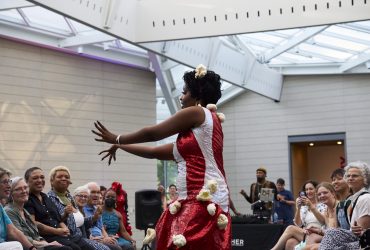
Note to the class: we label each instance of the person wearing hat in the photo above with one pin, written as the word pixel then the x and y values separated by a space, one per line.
pixel 255 189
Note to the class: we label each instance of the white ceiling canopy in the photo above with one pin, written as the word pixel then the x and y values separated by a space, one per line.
pixel 254 61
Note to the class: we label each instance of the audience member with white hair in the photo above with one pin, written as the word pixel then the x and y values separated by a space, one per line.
pixel 92 209
pixel 22 219
pixel 10 237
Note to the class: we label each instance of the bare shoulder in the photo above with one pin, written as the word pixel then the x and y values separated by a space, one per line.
pixel 119 215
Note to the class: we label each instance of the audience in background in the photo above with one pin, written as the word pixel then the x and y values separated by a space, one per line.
pixel 10 236
pixel 326 195
pixel 284 205
pixel 22 219
pixel 342 192
pixel 44 212
pixel 81 195
pixel 357 176
pixel 96 230
pixel 113 223
pixel 122 204
pixel 172 194
pixel 60 179
pixel 309 214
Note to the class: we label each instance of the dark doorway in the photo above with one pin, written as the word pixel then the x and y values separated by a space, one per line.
pixel 314 157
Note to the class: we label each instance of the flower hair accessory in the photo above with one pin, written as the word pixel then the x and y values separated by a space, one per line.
pixel 200 71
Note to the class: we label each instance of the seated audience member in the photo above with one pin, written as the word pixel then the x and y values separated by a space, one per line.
pixel 81 195
pixel 122 204
pixel 10 237
pixel 60 180
pixel 309 214
pixel 92 209
pixel 44 212
pixel 326 195
pixel 357 176
pixel 172 194
pixel 284 204
pixel 21 218
pixel 113 223
pixel 343 192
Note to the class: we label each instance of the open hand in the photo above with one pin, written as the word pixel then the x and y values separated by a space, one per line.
pixel 111 152
pixel 104 134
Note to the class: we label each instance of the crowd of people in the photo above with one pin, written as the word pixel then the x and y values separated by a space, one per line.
pixel 332 216
pixel 59 219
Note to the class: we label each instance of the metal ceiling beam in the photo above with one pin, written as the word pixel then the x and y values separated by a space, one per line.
pixel 164 82
pixel 83 39
pixel 26 34
pixel 13 4
pixel 346 37
pixel 292 42
pixel 361 59
pixel 239 70
pixel 160 20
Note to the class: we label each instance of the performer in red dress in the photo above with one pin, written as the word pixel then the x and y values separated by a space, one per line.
pixel 200 218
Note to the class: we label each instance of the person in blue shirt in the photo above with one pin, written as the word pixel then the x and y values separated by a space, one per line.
pixel 94 210
pixel 284 204
pixel 8 231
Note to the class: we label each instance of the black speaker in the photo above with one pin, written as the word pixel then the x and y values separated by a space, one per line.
pixel 148 208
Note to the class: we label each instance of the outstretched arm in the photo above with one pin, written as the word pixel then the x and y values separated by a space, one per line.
pixel 181 121
pixel 163 152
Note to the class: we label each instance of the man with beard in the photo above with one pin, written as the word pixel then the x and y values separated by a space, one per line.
pixel 255 193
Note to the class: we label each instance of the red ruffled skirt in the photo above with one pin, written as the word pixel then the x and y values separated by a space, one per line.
pixel 197 226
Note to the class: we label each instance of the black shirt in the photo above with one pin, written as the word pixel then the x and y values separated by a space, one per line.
pixel 45 212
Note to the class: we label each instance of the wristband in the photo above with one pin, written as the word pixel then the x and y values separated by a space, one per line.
pixel 117 139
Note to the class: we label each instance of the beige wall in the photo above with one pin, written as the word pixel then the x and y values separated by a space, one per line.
pixel 257 129
pixel 48 103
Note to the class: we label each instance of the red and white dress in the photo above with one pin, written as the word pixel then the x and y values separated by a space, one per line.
pixel 198 153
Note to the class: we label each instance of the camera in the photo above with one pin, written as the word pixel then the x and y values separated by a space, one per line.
pixel 302 194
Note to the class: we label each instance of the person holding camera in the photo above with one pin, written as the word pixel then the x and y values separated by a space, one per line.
pixel 309 214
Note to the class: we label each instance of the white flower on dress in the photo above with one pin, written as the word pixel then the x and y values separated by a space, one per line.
pixel 212 185
pixel 174 207
pixel 179 240
pixel 200 71
pixel 221 117
pixel 150 236
pixel 204 195
pixel 212 107
pixel 211 208
pixel 222 221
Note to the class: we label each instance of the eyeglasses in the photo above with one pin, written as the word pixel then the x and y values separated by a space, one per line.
pixel 6 182
pixel 352 175
pixel 82 196
pixel 21 189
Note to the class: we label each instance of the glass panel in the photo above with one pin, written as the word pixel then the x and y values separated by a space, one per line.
pixel 46 18
pixel 11 15
pixel 340 43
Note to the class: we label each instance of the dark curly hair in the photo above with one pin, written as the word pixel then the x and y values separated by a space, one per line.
pixel 206 89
